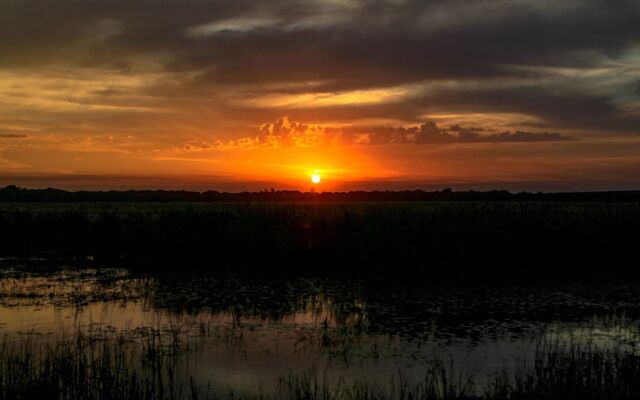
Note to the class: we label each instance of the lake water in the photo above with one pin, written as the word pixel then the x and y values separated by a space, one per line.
pixel 246 336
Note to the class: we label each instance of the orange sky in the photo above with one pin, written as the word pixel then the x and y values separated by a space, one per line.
pixel 398 95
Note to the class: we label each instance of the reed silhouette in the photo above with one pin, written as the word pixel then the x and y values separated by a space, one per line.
pixel 416 242
pixel 85 366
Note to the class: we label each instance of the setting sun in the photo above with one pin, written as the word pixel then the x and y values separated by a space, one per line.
pixel 315 178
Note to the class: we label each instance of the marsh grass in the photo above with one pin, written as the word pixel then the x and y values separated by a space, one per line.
pixel 99 365
pixel 577 369
pixel 64 287
pixel 414 242
pixel 572 371
pixel 85 367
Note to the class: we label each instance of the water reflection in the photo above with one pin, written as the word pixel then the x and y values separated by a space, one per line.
pixel 247 336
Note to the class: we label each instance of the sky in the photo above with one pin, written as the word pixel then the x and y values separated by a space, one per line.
pixel 388 94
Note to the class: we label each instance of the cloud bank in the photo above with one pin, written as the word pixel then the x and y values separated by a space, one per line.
pixel 286 133
pixel 568 64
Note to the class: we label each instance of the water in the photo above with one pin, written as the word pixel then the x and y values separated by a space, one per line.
pixel 247 336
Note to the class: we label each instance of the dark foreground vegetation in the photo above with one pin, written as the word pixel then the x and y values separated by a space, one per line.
pixel 91 367
pixel 444 239
pixel 417 242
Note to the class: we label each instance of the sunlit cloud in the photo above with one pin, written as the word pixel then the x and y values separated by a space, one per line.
pixel 86 83
pixel 309 100
pixel 287 133
pixel 243 24
pixel 63 90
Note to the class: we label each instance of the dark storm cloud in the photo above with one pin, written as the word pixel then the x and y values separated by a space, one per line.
pixel 204 45
pixel 409 40
pixel 12 136
pixel 414 46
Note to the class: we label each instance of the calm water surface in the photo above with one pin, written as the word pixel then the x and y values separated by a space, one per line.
pixel 246 336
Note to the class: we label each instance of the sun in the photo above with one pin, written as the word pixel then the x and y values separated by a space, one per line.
pixel 315 178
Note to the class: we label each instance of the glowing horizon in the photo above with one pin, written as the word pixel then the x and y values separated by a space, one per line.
pixel 259 94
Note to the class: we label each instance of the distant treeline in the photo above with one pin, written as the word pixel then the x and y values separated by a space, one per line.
pixel 15 194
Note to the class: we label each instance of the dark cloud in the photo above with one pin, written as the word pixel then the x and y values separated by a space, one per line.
pixel 430 133
pixel 12 136
pixel 570 109
pixel 376 42
pixel 358 45
pixel 286 133
pixel 522 136
pixel 554 108
pixel 458 128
